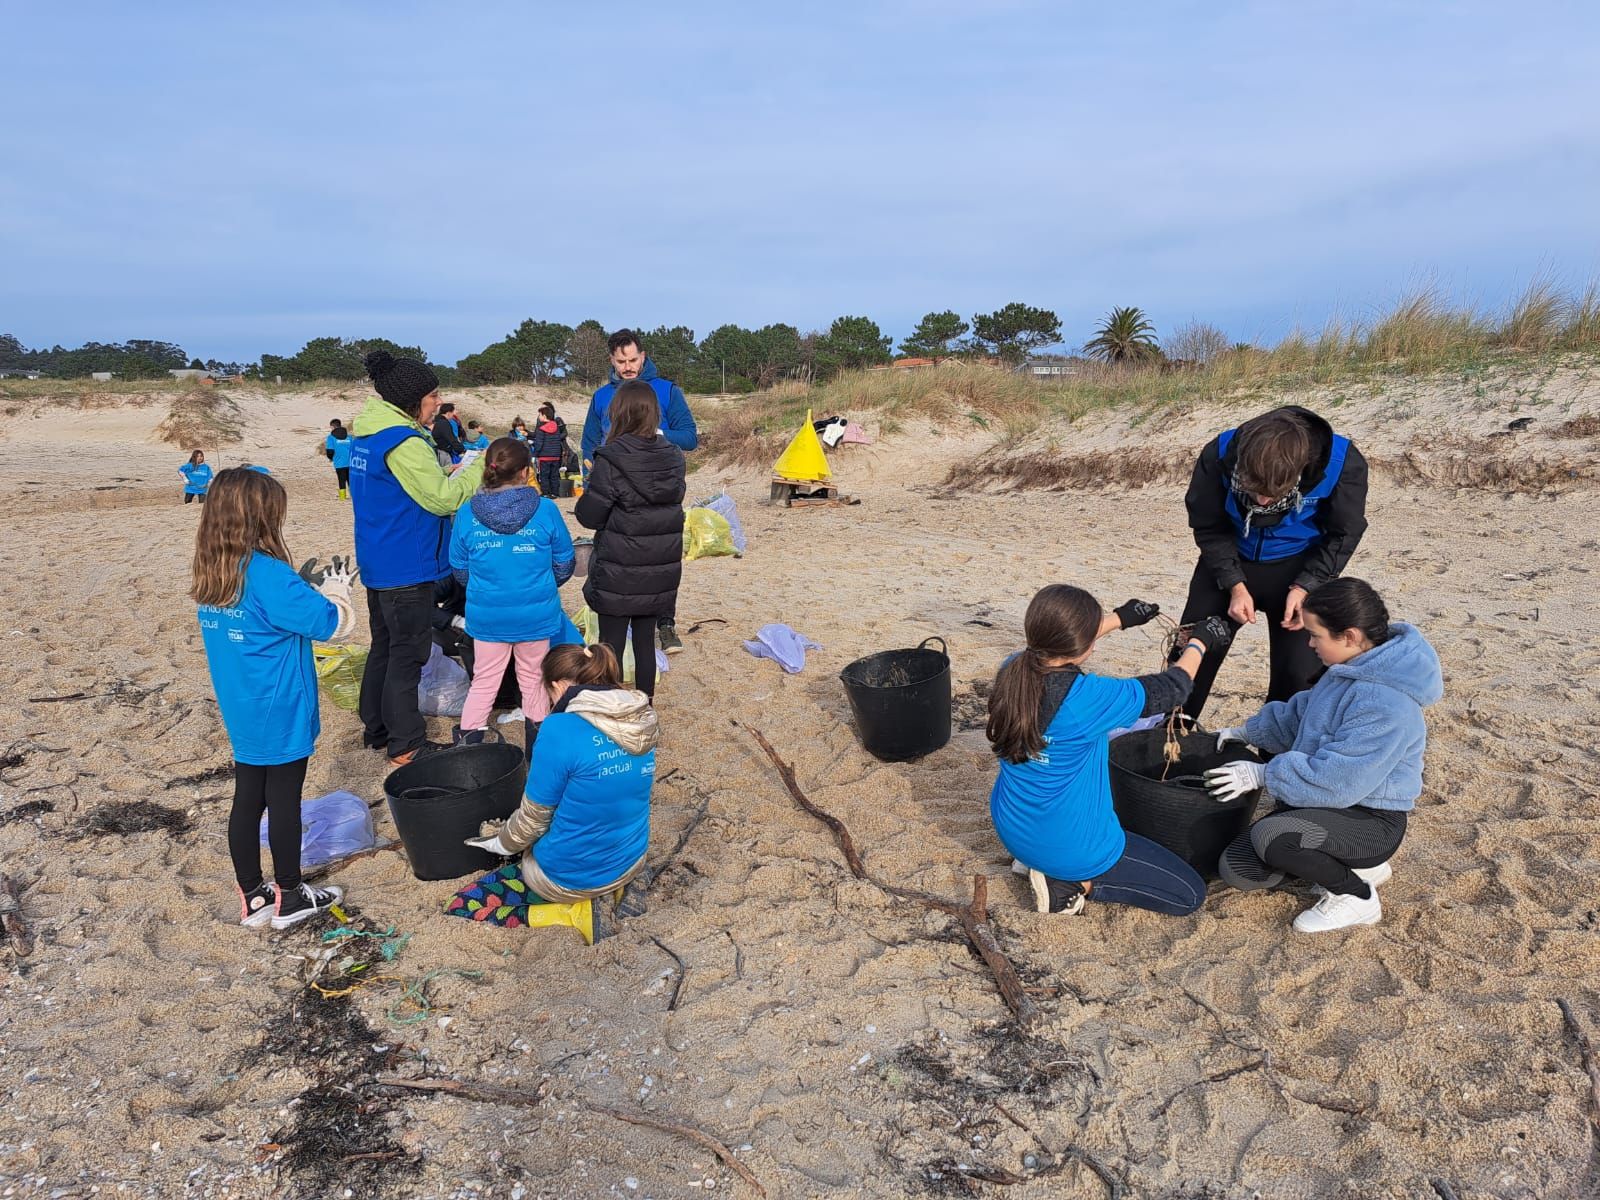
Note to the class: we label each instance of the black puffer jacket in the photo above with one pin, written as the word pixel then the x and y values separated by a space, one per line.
pixel 634 503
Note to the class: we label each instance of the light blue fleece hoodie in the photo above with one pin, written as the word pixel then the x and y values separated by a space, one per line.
pixel 1357 735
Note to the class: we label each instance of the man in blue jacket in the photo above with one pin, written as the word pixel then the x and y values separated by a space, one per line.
pixel 629 361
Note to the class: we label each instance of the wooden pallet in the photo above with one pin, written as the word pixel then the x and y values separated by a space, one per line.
pixel 804 493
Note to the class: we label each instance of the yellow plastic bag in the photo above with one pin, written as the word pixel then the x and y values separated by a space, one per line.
pixel 588 623
pixel 706 534
pixel 339 671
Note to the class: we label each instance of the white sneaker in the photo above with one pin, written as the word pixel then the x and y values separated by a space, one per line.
pixel 514 715
pixel 1338 911
pixel 1055 896
pixel 1374 876
pixel 1017 867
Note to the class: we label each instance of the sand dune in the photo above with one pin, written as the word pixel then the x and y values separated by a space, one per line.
pixel 843 1042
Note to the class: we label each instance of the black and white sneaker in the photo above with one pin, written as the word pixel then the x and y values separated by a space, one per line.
pixel 257 906
pixel 1056 895
pixel 304 902
pixel 667 634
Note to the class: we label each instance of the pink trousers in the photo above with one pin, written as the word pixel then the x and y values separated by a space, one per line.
pixel 489 663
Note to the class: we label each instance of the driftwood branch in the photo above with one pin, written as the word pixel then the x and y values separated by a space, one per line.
pixel 650 874
pixel 974 917
pixel 692 1134
pixel 975 920
pixel 683 972
pixel 1586 1049
pixel 11 917
pixel 1443 1189
pixel 489 1093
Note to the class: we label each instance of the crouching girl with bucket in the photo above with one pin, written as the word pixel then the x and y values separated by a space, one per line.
pixel 1049 722
pixel 1347 760
pixel 583 827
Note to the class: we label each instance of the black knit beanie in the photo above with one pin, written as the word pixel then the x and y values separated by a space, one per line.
pixel 403 382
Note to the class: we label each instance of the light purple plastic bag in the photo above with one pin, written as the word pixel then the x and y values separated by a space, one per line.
pixel 331 826
pixel 783 645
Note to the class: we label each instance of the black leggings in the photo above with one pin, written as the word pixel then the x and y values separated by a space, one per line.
pixel 190 497
pixel 614 633
pixel 1320 845
pixel 343 474
pixel 549 479
pixel 275 790
pixel 1292 662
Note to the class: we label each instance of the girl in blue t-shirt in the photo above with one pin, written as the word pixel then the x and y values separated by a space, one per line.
pixel 337 447
pixel 512 550
pixel 583 827
pixel 1048 723
pixel 196 478
pixel 257 620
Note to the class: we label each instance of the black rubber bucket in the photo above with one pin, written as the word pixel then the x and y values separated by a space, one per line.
pixel 439 801
pixel 901 701
pixel 1178 812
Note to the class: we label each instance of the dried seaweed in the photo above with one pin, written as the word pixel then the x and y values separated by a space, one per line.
pixel 134 816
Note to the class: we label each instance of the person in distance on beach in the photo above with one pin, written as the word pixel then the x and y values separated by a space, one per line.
pixel 1347 760
pixel 1049 722
pixel 1277 506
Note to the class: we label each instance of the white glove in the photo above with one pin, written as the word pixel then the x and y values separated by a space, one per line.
pixel 335 588
pixel 492 844
pixel 1224 736
pixel 1232 780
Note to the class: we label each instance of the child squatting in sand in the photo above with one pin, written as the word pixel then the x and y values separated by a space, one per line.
pixel 1346 762
pixel 257 620
pixel 1049 722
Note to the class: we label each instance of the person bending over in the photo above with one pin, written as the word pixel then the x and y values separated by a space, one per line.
pixel 1347 760
pixel 1277 506
pixel 1048 723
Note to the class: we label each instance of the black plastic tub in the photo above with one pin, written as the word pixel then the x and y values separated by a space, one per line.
pixel 438 802
pixel 1178 812
pixel 901 701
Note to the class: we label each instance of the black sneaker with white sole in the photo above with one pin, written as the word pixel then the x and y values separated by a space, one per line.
pixel 667 633
pixel 257 906
pixel 1056 895
pixel 303 903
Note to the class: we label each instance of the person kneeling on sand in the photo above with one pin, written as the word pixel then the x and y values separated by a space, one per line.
pixel 584 824
pixel 1049 723
pixel 1346 765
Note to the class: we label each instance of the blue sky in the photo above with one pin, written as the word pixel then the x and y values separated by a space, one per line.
pixel 239 178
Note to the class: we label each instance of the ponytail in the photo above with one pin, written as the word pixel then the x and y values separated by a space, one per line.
pixel 505 459
pixel 589 666
pixel 1014 703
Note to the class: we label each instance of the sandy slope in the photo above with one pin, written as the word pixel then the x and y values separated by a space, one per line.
pixel 851 1041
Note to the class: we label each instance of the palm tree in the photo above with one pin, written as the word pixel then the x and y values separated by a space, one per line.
pixel 1125 336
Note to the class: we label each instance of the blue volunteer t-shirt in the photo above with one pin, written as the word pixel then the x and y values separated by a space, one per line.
pixel 340 450
pixel 196 478
pixel 1054 811
pixel 601 795
pixel 259 652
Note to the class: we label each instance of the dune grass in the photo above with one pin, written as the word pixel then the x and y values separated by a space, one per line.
pixel 1422 333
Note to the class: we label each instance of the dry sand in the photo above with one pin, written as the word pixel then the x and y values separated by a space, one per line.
pixel 844 1043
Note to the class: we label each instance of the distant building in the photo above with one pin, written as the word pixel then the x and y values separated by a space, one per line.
pixel 102 376
pixel 19 373
pixel 1051 368
pixel 188 373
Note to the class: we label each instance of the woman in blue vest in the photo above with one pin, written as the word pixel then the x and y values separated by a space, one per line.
pixel 1277 507
pixel 403 505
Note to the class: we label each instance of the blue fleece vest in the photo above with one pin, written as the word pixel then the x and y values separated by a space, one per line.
pixel 398 542
pixel 602 402
pixel 1297 532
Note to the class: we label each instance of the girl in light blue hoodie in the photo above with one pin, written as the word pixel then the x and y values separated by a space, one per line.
pixel 1346 765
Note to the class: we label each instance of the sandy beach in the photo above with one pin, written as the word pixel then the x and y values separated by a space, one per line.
pixel 839 1041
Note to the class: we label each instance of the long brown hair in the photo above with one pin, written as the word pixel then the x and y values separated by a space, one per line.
pixel 594 666
pixel 1061 622
pixel 244 512
pixel 635 410
pixel 504 460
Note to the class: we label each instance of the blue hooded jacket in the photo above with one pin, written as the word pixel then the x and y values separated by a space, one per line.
pixel 512 550
pixel 677 422
pixel 1357 735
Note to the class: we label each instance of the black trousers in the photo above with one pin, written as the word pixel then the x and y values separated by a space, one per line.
pixel 188 497
pixel 550 479
pixel 401 620
pixel 343 475
pixel 274 790
pixel 1292 663
pixel 614 633
pixel 1320 845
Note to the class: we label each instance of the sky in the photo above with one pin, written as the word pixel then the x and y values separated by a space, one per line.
pixel 241 178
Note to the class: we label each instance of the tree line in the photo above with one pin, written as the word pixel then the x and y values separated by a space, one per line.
pixel 729 358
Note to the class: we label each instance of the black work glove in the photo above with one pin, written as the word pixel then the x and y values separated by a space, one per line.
pixel 310 572
pixel 1136 612
pixel 1215 633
